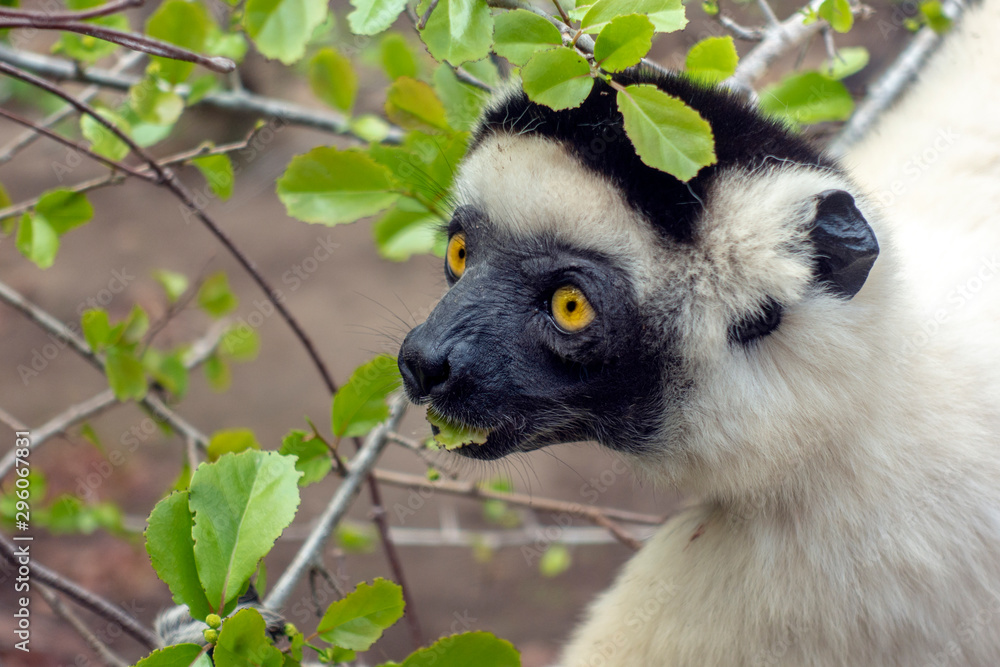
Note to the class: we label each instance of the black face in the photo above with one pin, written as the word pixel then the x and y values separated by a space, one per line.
pixel 536 342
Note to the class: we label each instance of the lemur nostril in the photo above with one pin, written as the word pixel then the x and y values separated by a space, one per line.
pixel 423 364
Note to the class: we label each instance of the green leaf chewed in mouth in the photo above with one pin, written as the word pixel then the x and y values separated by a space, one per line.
pixel 452 435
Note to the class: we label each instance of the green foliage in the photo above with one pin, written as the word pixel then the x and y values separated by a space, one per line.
pixel 665 15
pixel 623 42
pixel 281 28
pixel 457 30
pixel 242 641
pixel 667 134
pixel 170 545
pixel 313 456
pixel 849 60
pixel 558 78
pixel 462 102
pixel 240 343
pixel 183 23
pixel 712 60
pixel 554 561
pixel 218 173
pixel 520 34
pixel 102 140
pixel 154 103
pixel 481 649
pixel 397 56
pixel 358 620
pixel 838 14
pixel 361 403
pixel 215 297
pixel 178 655
pixel 241 504
pixel 126 374
pixel 371 17
pixel 232 441
pixel 807 97
pixel 414 105
pixel 332 79
pixel 330 186
pixel 932 12
pixel 167 369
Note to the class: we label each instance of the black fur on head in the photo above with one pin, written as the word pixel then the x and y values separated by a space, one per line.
pixel 595 133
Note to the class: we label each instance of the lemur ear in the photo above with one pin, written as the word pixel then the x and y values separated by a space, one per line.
pixel 846 247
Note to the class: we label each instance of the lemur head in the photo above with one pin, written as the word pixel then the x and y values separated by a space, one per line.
pixel 593 297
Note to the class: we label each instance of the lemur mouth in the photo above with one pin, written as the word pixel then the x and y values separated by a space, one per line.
pixel 481 443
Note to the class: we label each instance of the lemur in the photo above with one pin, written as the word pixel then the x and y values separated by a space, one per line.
pixel 805 346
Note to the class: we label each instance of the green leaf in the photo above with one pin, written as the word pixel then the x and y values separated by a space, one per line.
pixel 36 240
pixel 155 105
pixel 838 14
pixel 413 105
pixel 371 17
pixel 370 127
pixel 64 209
pixel 458 30
pixel 360 404
pixel 396 56
pixel 185 24
pixel 423 166
pixel 667 134
pixel 96 328
pixel 463 103
pixel 217 373
pixel 666 15
pixel 126 374
pixel 232 45
pixel 558 78
pixel 356 538
pixel 178 655
pixel 314 461
pixel 168 370
pixel 282 28
pixel 807 97
pixel 554 561
pixel 452 435
pixel 241 503
pixel 331 186
pixel 102 140
pixel 170 545
pixel 358 620
pixel 520 34
pixel 200 88
pixel 408 229
pixel 243 642
pixel 849 60
pixel 232 441
pixel 240 343
pixel 712 60
pixel 174 284
pixel 218 172
pixel 215 297
pixel 135 326
pixel 481 649
pixel 933 13
pixel 623 42
pixel 332 79
pixel 85 47
pixel 67 514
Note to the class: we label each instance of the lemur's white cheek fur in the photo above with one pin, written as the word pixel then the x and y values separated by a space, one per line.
pixel 841 440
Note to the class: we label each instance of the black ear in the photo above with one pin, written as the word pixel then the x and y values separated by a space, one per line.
pixel 846 247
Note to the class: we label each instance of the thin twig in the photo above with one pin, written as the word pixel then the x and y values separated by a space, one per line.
pixel 82 596
pixel 80 148
pixel 27 137
pixel 360 466
pixel 893 82
pixel 473 490
pixel 465 77
pixel 107 656
pixel 769 15
pixel 59 17
pixel 242 101
pixel 422 23
pixel 739 31
pixel 130 40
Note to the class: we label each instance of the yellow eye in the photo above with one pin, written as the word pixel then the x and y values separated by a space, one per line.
pixel 455 255
pixel 571 310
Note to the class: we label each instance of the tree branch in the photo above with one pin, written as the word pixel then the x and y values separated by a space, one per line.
pixel 360 466
pixel 892 83
pixel 58 17
pixel 82 596
pixel 107 656
pixel 241 101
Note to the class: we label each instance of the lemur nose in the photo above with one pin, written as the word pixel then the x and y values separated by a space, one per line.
pixel 423 363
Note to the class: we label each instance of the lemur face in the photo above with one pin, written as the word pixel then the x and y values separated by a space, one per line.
pixel 587 291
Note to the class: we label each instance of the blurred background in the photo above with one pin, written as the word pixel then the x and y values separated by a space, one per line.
pixel 354 305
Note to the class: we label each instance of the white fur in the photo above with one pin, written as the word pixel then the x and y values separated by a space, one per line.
pixel 847 467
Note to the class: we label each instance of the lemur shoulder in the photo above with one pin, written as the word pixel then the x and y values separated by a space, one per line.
pixel 808 348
